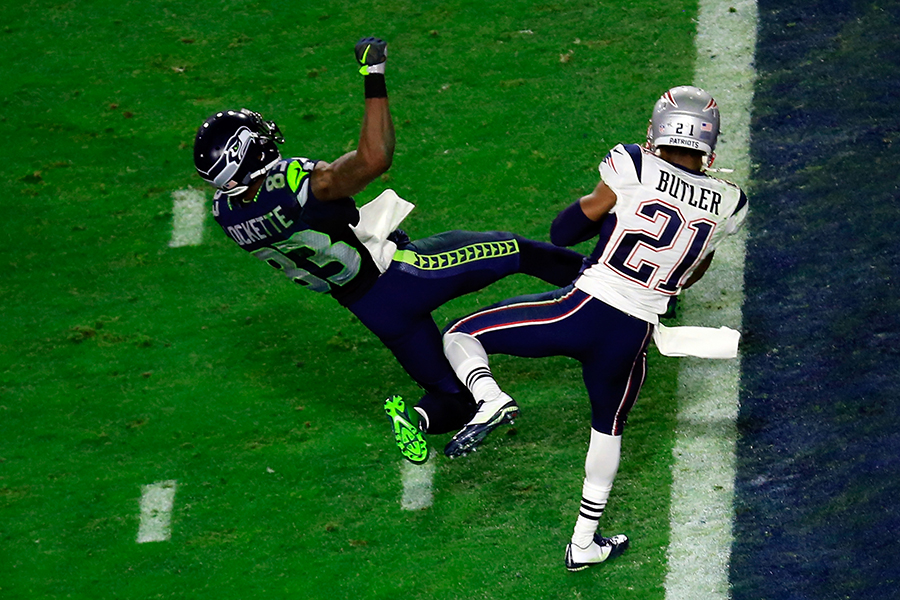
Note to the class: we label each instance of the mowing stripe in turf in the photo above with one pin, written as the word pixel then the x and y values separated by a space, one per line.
pixel 703 475
pixel 157 500
pixel 188 214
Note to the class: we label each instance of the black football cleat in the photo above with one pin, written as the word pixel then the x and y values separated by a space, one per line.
pixel 488 417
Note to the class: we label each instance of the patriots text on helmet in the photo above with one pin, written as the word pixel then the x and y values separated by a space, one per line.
pixel 678 141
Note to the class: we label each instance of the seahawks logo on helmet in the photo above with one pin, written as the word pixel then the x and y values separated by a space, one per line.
pixel 235 148
pixel 223 171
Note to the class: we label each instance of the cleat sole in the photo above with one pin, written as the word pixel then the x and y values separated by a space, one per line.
pixel 407 436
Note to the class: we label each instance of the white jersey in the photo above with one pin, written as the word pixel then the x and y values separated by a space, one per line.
pixel 666 220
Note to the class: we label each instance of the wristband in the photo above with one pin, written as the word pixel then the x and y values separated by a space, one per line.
pixel 372 69
pixel 375 86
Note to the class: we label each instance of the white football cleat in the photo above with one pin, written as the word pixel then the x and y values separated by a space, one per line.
pixel 600 550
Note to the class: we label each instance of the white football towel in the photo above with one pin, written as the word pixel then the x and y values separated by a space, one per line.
pixel 377 219
pixel 703 342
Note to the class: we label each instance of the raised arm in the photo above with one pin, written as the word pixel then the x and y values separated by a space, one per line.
pixel 353 171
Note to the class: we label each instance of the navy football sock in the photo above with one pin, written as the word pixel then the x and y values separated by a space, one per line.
pixel 446 412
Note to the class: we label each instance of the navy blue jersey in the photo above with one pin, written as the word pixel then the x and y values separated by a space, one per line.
pixel 307 239
pixel 310 240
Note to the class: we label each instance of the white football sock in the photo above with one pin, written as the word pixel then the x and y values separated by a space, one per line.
pixel 470 363
pixel 423 418
pixel 600 469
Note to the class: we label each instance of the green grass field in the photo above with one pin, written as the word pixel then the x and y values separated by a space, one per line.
pixel 125 362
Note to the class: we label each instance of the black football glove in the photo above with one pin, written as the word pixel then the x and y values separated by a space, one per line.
pixel 371 52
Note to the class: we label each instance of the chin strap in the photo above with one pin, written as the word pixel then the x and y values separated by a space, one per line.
pixel 262 171
pixel 237 191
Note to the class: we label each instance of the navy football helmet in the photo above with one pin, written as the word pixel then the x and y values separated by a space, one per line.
pixel 234 148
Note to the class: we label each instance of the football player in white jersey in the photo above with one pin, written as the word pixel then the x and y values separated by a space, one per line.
pixel 658 218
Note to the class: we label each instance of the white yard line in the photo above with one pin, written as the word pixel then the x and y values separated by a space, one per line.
pixel 702 512
pixel 188 214
pixel 157 500
pixel 417 483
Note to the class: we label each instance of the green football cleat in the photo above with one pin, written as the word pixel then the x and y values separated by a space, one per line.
pixel 408 437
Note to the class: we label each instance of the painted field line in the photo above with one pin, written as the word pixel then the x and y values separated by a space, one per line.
pixel 417 484
pixel 157 500
pixel 702 512
pixel 188 215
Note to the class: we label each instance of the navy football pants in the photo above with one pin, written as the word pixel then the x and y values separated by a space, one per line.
pixel 610 345
pixel 430 272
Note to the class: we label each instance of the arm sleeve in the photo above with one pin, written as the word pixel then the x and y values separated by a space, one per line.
pixel 571 226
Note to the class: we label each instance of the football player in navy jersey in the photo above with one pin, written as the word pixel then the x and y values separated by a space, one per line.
pixel 298 216
pixel 658 218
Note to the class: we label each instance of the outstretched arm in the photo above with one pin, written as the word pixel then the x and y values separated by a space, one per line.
pixel 352 172
pixel 599 202
pixel 580 221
